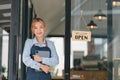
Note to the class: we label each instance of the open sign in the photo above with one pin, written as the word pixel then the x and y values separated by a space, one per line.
pixel 81 35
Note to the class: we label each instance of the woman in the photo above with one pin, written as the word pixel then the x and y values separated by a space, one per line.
pixel 38 67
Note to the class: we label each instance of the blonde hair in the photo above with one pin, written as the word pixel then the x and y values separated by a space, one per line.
pixel 36 20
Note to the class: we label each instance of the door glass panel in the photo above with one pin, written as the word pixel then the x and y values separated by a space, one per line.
pixel 89 58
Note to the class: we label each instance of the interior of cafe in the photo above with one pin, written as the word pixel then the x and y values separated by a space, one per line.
pixel 93 58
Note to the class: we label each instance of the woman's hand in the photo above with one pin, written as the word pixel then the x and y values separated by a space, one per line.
pixel 37 58
pixel 45 68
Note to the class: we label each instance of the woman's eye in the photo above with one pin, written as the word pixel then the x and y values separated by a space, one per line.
pixel 41 26
pixel 38 27
pixel 35 28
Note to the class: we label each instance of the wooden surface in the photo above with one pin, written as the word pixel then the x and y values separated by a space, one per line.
pixel 85 75
pixel 61 78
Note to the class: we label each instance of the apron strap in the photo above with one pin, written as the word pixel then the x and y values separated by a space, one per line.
pixel 46 43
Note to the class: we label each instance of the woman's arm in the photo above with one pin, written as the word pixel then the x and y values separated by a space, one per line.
pixel 27 60
pixel 54 60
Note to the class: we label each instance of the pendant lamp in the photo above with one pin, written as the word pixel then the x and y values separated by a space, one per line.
pixel 100 15
pixel 91 25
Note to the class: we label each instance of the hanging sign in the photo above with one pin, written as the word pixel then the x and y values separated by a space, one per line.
pixel 81 35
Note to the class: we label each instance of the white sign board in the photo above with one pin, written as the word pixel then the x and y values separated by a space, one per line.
pixel 81 35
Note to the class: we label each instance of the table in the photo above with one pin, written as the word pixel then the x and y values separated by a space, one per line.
pixel 62 78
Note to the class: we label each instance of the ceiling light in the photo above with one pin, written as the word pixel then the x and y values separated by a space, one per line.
pixel 6 14
pixel 4 21
pixel 5 6
pixel 91 25
pixel 100 15
pixel 116 3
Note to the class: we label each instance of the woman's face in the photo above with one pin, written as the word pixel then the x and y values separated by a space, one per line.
pixel 38 28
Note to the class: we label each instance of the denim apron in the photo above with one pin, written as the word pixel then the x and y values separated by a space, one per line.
pixel 33 74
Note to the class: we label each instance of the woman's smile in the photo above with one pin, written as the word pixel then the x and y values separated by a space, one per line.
pixel 39 33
